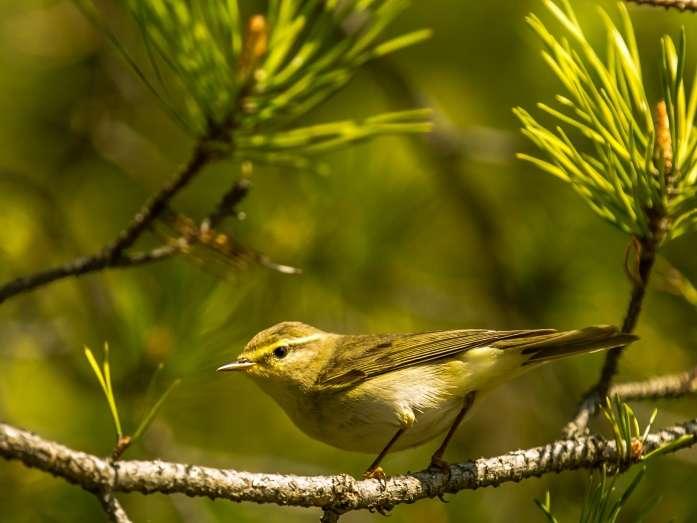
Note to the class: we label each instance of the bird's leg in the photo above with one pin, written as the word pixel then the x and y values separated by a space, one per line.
pixel 437 461
pixel 375 470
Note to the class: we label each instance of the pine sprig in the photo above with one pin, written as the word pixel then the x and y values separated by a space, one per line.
pixel 324 137
pixel 246 88
pixel 103 375
pixel 602 503
pixel 634 162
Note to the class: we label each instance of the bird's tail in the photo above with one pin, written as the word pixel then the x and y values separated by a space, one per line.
pixel 545 346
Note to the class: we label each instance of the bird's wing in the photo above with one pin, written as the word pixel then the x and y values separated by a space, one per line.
pixel 360 357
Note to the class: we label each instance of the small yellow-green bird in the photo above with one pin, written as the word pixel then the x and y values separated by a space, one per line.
pixel 377 393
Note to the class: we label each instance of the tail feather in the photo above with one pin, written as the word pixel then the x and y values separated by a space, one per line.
pixel 551 346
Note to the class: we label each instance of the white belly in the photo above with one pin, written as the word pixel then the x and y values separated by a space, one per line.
pixel 369 431
pixel 424 400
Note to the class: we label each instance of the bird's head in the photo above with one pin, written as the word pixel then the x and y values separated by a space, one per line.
pixel 288 354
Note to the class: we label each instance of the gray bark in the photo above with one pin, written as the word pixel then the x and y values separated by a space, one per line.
pixel 339 492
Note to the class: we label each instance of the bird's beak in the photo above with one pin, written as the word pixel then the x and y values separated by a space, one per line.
pixel 240 364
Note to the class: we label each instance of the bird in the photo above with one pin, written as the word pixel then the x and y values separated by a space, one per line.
pixel 378 393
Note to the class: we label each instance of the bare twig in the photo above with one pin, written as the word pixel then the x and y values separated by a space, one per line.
pixel 682 5
pixel 645 249
pixel 339 493
pixel 113 508
pixel 153 208
pixel 592 398
pixel 667 386
pixel 329 516
pixel 77 267
pixel 113 256
pixel 647 258
pixel 227 205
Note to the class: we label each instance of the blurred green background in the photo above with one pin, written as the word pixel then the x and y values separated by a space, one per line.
pixel 392 239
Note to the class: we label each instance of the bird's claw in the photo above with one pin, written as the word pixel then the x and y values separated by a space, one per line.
pixel 383 510
pixel 376 473
pixel 438 464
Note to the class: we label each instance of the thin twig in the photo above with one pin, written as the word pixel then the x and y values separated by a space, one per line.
pixel 591 399
pixel 113 508
pixel 329 516
pixel 682 5
pixel 339 493
pixel 104 259
pixel 141 258
pixel 227 205
pixel 114 255
pixel 659 387
pixel 156 205
pixel 646 248
pixel 647 258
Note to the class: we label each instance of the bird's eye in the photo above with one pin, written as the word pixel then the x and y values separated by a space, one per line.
pixel 280 352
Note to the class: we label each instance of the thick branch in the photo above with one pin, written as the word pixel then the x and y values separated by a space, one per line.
pixel 340 493
pixel 682 5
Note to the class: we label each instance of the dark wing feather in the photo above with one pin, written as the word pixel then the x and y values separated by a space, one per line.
pixel 360 357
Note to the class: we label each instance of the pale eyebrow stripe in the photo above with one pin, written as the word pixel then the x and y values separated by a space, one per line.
pixel 285 341
pixel 298 341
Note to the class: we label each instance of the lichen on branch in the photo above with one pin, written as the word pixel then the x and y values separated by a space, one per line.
pixel 339 493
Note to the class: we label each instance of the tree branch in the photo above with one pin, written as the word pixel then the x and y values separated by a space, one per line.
pixel 329 516
pixel 113 508
pixel 682 5
pixel 339 493
pixel 114 256
pixel 667 386
pixel 227 205
pixel 591 399
pixel 154 207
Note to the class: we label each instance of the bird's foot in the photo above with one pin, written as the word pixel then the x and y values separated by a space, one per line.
pixel 438 464
pixel 374 473
pixel 383 510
